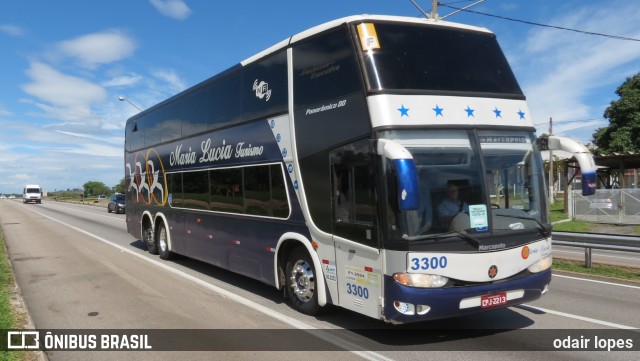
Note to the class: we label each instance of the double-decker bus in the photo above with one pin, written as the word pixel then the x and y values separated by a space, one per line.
pixel 388 165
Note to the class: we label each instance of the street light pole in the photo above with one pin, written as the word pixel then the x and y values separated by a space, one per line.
pixel 552 198
pixel 123 99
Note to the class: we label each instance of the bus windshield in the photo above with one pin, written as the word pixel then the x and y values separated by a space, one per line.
pixel 437 59
pixel 486 183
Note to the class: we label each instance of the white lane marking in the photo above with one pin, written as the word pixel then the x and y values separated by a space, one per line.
pixel 92 213
pixel 596 281
pixel 581 318
pixel 351 347
pixel 596 254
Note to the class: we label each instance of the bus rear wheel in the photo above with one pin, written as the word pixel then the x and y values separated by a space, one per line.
pixel 301 282
pixel 162 240
pixel 149 239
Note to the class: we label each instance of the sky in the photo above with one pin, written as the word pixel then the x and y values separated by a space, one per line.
pixel 64 64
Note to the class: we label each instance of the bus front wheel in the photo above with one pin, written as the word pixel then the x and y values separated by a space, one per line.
pixel 301 282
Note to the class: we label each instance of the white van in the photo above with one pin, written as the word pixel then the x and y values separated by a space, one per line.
pixel 32 193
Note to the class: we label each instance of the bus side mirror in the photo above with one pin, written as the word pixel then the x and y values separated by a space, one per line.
pixel 584 158
pixel 406 173
pixel 408 190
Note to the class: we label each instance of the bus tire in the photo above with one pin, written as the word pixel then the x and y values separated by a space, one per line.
pixel 162 241
pixel 149 238
pixel 301 282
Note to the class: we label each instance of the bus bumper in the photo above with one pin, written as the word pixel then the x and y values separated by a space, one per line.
pixel 404 304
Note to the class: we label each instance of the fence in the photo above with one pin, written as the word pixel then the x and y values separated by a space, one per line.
pixel 591 241
pixel 617 206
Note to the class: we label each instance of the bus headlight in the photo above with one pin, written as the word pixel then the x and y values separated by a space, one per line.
pixel 420 280
pixel 541 265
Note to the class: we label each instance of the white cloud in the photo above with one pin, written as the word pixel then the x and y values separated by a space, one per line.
pixel 563 71
pixel 566 128
pixel 62 96
pixel 11 30
pixel 98 137
pixel 4 112
pixel 95 150
pixel 176 9
pixel 52 86
pixel 122 81
pixel 171 78
pixel 56 158
pixel 95 49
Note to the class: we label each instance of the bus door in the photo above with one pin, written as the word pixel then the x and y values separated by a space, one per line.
pixel 358 258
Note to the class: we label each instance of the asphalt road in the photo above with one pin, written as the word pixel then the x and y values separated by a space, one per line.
pixel 78 268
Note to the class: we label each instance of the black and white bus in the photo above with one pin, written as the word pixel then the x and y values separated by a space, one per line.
pixel 384 164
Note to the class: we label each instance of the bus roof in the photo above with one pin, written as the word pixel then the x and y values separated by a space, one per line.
pixel 351 19
pixel 304 35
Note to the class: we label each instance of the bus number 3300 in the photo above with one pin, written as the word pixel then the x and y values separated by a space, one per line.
pixel 426 263
pixel 358 291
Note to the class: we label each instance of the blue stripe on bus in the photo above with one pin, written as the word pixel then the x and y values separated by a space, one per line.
pixel 445 302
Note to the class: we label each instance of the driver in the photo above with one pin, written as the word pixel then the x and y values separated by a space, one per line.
pixel 451 205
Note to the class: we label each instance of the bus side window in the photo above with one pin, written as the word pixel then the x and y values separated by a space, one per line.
pixel 174 188
pixel 343 204
pixel 353 194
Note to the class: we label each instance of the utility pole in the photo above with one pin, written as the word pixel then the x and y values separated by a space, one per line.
pixel 434 9
pixel 551 197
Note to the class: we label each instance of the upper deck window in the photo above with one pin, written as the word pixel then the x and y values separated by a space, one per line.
pixel 325 68
pixel 436 59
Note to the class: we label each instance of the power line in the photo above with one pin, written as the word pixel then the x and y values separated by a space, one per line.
pixel 617 37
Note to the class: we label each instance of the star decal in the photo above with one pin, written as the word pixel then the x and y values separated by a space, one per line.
pixel 521 114
pixel 403 111
pixel 498 112
pixel 438 110
pixel 469 112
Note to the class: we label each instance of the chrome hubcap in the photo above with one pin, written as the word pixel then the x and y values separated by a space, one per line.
pixel 162 239
pixel 303 283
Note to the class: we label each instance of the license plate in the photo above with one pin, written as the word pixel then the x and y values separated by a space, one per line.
pixel 493 300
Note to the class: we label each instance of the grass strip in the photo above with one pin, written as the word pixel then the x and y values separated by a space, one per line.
pixel 9 318
pixel 573 226
pixel 598 269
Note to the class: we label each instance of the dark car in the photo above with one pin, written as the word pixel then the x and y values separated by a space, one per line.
pixel 116 203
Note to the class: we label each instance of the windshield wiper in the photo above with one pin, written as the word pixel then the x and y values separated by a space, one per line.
pixel 466 236
pixel 541 227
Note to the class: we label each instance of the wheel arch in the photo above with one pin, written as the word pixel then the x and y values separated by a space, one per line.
pixel 286 244
pixel 146 217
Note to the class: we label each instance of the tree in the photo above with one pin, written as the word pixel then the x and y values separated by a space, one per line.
pixel 95 188
pixel 623 114
pixel 121 187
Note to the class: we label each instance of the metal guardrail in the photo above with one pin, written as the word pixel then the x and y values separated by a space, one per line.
pixel 591 241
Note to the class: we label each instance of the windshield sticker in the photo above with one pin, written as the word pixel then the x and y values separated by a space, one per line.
pixel 368 37
pixel 478 217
